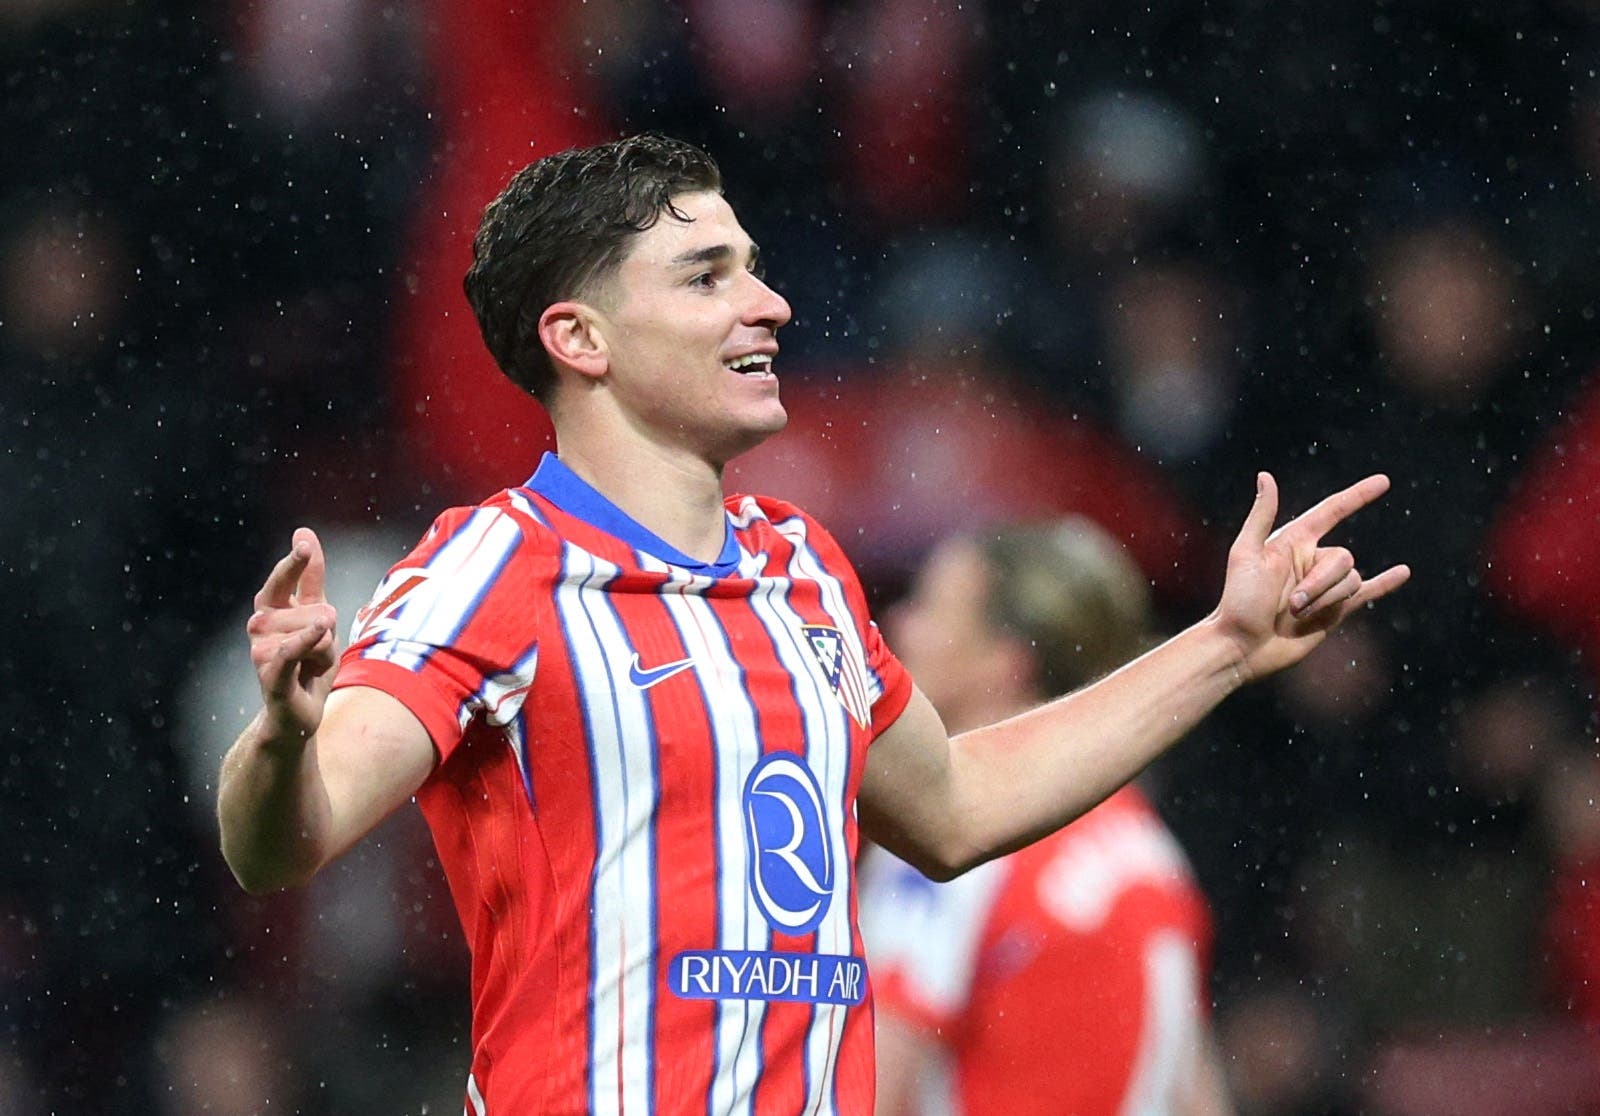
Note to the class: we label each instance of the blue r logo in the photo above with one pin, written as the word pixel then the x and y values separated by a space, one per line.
pixel 791 854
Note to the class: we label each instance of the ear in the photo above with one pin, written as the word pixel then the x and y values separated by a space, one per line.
pixel 570 333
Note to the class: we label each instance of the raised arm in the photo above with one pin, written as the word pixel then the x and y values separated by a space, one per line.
pixel 311 774
pixel 946 805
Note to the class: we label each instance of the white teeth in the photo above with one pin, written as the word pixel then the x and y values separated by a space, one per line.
pixel 739 363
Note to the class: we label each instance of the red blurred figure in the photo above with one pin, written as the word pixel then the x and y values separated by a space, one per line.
pixel 509 88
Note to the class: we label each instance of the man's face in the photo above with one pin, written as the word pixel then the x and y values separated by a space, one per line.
pixel 691 333
pixel 941 634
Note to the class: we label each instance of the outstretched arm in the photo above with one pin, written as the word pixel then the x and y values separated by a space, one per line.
pixel 947 805
pixel 311 774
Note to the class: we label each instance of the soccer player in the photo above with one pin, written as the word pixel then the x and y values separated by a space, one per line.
pixel 644 719
pixel 1070 975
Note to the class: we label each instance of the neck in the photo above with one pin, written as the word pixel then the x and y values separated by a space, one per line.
pixel 674 495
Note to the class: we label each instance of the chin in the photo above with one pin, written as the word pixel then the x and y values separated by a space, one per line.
pixel 763 420
pixel 776 420
pixel 753 433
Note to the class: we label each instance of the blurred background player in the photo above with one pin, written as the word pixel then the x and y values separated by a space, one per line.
pixel 1069 976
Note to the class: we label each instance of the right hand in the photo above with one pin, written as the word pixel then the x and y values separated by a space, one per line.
pixel 1285 591
pixel 293 642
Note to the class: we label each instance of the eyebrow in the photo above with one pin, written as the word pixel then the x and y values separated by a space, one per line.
pixel 716 253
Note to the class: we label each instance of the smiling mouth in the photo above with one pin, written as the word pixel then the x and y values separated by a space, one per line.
pixel 755 364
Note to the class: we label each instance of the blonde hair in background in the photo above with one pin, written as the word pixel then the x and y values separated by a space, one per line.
pixel 1073 593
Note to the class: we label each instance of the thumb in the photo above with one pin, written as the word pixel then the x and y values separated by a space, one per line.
pixel 1263 513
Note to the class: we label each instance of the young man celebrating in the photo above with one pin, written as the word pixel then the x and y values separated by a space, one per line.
pixel 643 719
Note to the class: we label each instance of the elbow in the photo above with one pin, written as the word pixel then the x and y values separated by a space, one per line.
pixel 943 871
pixel 259 881
pixel 942 863
pixel 257 885
pixel 940 852
pixel 960 849
pixel 259 875
pixel 256 882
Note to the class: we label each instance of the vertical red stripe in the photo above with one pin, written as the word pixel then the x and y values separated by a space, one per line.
pixel 569 839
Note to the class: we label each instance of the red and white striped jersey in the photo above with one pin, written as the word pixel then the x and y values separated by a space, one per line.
pixel 645 802
pixel 1067 977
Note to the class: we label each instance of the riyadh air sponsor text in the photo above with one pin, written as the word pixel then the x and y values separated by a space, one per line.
pixel 813 978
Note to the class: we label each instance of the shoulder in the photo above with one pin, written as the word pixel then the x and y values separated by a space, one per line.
pixel 477 544
pixel 467 557
pixel 509 517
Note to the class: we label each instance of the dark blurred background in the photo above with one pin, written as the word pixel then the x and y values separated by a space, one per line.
pixel 1044 257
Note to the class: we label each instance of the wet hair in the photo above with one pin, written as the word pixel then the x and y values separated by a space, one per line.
pixel 560 229
pixel 1073 593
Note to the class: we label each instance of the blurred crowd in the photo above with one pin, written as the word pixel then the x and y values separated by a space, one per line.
pixel 1099 258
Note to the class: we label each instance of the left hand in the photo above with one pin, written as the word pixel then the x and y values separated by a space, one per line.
pixel 1285 591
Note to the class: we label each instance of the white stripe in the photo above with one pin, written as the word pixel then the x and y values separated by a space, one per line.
pixel 1169 1038
pixel 525 505
pixel 623 980
pixel 736 746
pixel 749 511
pixel 475 1098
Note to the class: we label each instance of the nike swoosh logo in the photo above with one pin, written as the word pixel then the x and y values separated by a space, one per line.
pixel 644 679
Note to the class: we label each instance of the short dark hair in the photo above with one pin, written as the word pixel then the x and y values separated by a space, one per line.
pixel 559 230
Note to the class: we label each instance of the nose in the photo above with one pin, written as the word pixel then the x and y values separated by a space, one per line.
pixel 766 306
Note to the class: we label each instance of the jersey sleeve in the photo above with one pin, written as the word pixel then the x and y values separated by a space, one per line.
pixel 452 629
pixel 923 938
pixel 888 683
pixel 892 678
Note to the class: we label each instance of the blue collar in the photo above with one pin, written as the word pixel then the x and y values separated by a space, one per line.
pixel 577 497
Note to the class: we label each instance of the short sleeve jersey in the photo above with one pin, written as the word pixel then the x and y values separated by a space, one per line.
pixel 1067 977
pixel 645 800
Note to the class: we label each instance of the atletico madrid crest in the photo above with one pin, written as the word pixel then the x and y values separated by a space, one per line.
pixel 842 667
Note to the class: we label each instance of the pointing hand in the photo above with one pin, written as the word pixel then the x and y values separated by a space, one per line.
pixel 293 642
pixel 1285 591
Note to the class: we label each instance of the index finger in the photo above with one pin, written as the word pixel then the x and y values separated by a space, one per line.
pixel 315 575
pixel 279 588
pixel 1333 510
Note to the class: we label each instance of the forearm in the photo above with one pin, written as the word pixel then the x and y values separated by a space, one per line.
pixel 273 810
pixel 1015 781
